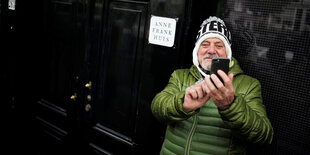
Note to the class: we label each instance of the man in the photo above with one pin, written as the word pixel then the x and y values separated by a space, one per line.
pixel 207 118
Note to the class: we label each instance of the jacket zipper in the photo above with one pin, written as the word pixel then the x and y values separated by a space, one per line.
pixel 189 139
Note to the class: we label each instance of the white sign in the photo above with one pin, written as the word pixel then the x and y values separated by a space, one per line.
pixel 12 4
pixel 162 31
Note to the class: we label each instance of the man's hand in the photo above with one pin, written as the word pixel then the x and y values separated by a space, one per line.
pixel 195 97
pixel 223 94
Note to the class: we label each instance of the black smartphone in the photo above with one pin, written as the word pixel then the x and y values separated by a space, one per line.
pixel 219 63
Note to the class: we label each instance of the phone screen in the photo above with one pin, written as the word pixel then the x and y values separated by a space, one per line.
pixel 220 63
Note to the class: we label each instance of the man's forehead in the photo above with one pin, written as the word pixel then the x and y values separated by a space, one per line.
pixel 213 39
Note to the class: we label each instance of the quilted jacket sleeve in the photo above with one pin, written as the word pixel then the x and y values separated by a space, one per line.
pixel 247 115
pixel 167 105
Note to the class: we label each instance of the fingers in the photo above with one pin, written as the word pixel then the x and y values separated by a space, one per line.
pixel 221 93
pixel 195 92
pixel 216 81
pixel 227 79
pixel 223 75
pixel 191 92
pixel 210 88
pixel 199 92
pixel 217 88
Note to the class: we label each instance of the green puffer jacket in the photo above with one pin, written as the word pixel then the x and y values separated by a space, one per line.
pixel 209 130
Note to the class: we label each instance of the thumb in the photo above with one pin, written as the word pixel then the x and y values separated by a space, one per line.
pixel 231 76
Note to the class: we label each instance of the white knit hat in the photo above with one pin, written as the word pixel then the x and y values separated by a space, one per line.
pixel 213 27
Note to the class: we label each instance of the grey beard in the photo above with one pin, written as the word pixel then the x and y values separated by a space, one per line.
pixel 205 66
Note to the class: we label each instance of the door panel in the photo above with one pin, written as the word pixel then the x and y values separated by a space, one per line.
pixel 121 58
pixel 52 110
pixel 59 85
pixel 116 105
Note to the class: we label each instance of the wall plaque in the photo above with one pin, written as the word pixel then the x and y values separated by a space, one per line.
pixel 162 31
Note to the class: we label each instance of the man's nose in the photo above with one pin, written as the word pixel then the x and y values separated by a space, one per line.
pixel 212 49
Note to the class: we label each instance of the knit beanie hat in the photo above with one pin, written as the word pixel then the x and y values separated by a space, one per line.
pixel 213 27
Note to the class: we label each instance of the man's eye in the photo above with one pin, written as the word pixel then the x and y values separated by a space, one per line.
pixel 204 45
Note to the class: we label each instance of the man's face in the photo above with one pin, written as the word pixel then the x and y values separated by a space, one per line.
pixel 210 48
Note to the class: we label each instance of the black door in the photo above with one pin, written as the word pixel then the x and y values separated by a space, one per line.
pixel 116 100
pixel 88 87
pixel 87 83
pixel 60 86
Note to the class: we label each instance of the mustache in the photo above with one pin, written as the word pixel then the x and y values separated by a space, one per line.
pixel 211 56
